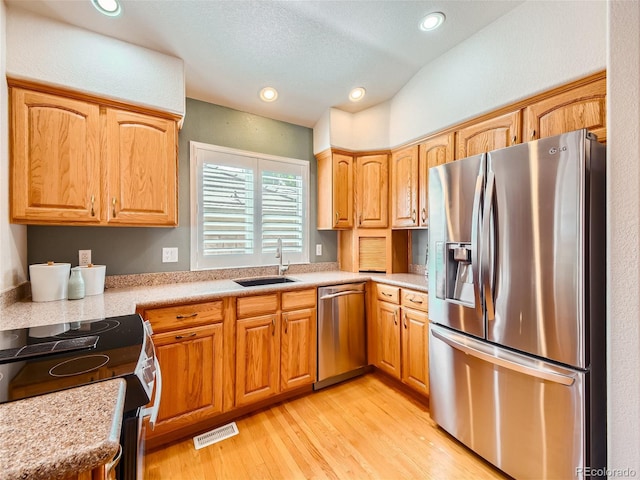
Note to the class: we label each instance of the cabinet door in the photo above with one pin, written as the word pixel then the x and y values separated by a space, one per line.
pixel 581 107
pixel 257 358
pixel 298 349
pixel 404 187
pixel 372 191
pixel 388 332
pixel 342 190
pixel 55 159
pixel 498 132
pixel 432 152
pixel 415 349
pixel 191 363
pixel 142 169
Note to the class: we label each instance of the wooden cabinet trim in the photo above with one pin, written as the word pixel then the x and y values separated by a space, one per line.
pixel 298 299
pixel 387 293
pixel 256 305
pixel 416 300
pixel 87 97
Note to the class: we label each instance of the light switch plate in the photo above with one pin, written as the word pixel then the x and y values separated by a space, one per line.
pixel 319 249
pixel 169 254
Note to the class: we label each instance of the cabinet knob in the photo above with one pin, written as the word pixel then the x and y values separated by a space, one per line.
pixel 113 202
pixel 93 199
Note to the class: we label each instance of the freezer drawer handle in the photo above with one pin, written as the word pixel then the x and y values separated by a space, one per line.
pixel 567 380
pixel 340 294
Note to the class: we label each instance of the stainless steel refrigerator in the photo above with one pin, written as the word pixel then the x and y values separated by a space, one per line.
pixel 517 305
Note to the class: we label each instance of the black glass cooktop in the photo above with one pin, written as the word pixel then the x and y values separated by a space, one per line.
pixel 39 360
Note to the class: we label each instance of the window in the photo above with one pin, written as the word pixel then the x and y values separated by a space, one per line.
pixel 242 203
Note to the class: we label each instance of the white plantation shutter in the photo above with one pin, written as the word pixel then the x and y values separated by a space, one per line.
pixel 242 204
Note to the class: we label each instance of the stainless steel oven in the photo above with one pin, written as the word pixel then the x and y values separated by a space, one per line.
pixel 39 360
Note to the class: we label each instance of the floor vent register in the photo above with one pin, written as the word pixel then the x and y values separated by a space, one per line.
pixel 214 436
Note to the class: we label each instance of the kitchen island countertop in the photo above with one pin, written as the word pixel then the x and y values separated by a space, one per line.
pixel 61 434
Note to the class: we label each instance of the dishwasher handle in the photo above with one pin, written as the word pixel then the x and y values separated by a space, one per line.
pixel 340 294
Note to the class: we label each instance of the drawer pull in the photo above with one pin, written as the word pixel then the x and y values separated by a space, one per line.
pixel 395 318
pixel 424 214
pixel 180 337
pixel 419 302
pixel 286 322
pixel 93 199
pixel 182 317
pixel 113 203
pixel 386 294
pixel 405 321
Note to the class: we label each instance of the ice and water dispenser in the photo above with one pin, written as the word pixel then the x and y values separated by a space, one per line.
pixel 454 273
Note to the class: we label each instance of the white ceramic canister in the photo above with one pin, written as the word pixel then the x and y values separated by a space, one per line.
pixel 49 281
pixel 93 276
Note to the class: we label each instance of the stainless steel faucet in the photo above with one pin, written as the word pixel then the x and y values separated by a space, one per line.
pixel 281 268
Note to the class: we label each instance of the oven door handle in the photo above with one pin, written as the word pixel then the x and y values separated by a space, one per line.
pixel 152 411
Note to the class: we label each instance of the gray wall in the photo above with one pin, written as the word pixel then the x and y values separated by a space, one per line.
pixel 139 250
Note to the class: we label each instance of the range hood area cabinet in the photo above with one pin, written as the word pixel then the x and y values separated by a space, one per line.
pixel 79 160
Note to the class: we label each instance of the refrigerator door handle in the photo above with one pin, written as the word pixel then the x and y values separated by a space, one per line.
pixel 487 255
pixel 476 216
pixel 514 365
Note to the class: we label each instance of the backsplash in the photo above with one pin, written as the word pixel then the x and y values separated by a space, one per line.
pixel 162 278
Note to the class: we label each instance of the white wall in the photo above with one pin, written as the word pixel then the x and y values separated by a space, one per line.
pixel 623 236
pixel 59 54
pixel 13 238
pixel 534 47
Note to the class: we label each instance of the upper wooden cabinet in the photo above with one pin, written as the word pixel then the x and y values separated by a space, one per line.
pixel 404 187
pixel 580 107
pixel 434 151
pixel 335 190
pixel 78 162
pixel 499 132
pixel 142 169
pixel 55 159
pixel 372 191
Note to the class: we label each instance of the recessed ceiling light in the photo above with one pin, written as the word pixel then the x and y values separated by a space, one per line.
pixel 432 21
pixel 357 94
pixel 268 94
pixel 108 7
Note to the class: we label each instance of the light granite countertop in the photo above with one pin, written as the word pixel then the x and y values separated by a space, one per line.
pixel 49 436
pixel 123 301
pixel 63 433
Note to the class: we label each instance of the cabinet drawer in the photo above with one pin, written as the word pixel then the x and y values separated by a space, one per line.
pixel 417 300
pixel 299 299
pixel 258 305
pixel 387 293
pixel 184 316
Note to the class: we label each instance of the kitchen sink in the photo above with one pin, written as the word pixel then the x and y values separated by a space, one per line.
pixel 254 282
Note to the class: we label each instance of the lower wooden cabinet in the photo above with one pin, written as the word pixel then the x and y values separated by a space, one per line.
pixel 388 336
pixel 276 349
pixel 401 329
pixel 257 355
pixel 298 348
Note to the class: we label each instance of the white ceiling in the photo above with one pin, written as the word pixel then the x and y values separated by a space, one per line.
pixel 312 52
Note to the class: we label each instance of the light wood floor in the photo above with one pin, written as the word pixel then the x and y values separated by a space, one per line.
pixel 363 428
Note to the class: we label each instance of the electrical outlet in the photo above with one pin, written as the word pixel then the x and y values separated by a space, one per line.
pixel 84 257
pixel 319 249
pixel 169 255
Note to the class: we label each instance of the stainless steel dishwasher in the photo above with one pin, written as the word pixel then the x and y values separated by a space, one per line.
pixel 342 339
